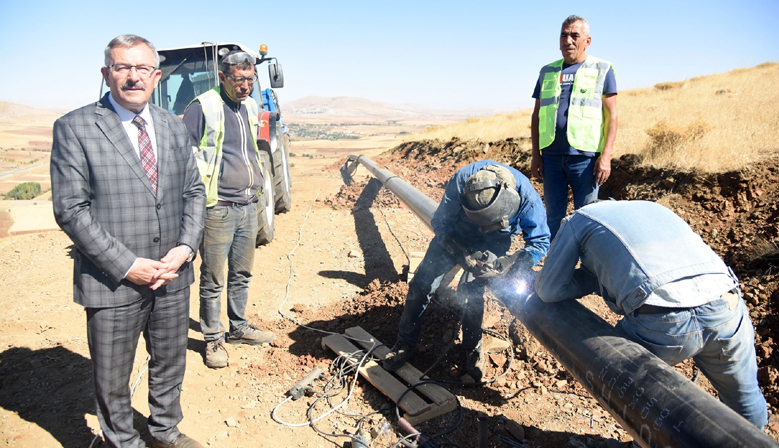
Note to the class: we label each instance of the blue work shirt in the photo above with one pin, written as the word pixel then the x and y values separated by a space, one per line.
pixel 632 253
pixel 450 217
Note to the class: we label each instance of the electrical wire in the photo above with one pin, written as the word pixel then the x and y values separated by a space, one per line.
pixel 380 208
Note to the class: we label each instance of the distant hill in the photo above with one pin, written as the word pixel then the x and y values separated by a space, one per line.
pixel 13 110
pixel 361 108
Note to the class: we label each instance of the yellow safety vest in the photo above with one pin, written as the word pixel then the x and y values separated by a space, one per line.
pixel 208 154
pixel 585 111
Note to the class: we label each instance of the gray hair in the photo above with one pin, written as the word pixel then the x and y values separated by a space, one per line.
pixel 242 64
pixel 570 20
pixel 129 41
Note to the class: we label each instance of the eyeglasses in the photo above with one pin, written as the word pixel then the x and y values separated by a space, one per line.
pixel 143 70
pixel 238 80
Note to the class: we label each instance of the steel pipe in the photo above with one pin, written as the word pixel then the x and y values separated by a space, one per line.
pixel 655 404
pixel 421 205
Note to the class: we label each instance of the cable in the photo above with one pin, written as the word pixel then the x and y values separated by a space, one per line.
pixel 408 258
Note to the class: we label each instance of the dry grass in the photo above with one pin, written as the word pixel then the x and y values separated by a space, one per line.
pixel 711 123
pixel 488 129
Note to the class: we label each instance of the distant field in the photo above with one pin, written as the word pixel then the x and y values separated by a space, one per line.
pixel 713 123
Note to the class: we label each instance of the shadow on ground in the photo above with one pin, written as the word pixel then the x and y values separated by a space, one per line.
pixel 52 388
pixel 378 261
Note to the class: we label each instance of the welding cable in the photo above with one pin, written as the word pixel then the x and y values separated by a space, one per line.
pixel 289 282
pixel 380 208
pixel 406 438
pixel 132 394
pixel 356 369
pixel 351 391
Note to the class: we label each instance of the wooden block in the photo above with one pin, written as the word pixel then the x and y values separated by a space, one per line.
pixel 415 409
pixel 411 404
pixel 409 373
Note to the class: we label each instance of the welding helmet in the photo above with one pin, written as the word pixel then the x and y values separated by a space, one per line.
pixel 490 199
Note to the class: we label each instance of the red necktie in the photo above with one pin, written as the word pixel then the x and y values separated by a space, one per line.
pixel 147 153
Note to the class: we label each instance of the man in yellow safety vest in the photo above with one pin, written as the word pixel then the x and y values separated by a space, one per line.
pixel 574 123
pixel 222 124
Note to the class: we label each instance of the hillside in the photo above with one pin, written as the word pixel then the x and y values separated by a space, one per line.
pixel 13 110
pixel 713 123
pixel 351 108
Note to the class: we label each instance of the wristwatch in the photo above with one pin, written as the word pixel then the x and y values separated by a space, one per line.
pixel 191 253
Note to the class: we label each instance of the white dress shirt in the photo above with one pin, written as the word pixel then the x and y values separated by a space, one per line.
pixel 126 117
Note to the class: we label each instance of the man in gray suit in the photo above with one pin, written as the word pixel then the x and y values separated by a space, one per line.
pixel 127 191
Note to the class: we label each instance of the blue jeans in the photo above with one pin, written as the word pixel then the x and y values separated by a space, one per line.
pixel 720 340
pixel 559 173
pixel 435 265
pixel 229 235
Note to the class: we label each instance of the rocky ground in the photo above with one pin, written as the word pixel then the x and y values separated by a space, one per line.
pixel 339 260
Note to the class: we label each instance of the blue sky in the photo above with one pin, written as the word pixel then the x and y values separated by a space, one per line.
pixel 443 54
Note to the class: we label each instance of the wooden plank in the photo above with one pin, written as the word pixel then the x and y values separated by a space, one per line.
pixel 412 404
pixel 411 374
pixel 433 412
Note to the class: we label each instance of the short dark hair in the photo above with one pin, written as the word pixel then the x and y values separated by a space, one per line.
pixel 242 64
pixel 129 41
pixel 573 19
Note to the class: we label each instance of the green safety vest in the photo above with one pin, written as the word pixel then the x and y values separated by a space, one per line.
pixel 208 154
pixel 585 111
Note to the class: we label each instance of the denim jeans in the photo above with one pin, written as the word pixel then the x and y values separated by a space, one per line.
pixel 720 340
pixel 229 235
pixel 435 265
pixel 559 173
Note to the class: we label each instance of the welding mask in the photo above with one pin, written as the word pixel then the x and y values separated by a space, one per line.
pixel 490 199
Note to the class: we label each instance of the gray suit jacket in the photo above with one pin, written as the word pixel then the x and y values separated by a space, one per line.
pixel 104 201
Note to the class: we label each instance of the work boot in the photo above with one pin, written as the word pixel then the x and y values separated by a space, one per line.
pixel 181 441
pixel 250 335
pixel 475 364
pixel 400 353
pixel 216 354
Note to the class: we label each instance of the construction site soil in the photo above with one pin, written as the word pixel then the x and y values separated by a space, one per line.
pixel 346 265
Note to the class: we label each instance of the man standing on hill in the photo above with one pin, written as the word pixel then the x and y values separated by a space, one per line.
pixel 678 297
pixel 485 205
pixel 126 190
pixel 223 126
pixel 574 123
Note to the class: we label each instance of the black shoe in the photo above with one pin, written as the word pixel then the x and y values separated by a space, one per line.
pixel 400 353
pixel 475 364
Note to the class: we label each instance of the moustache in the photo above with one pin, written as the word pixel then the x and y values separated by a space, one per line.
pixel 134 85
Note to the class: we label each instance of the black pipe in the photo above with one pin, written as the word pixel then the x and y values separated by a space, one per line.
pixel 421 205
pixel 653 402
pixel 657 405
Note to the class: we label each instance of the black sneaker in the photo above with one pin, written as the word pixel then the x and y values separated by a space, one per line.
pixel 475 364
pixel 399 355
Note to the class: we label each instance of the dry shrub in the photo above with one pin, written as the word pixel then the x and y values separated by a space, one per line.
pixel 666 140
pixel 668 85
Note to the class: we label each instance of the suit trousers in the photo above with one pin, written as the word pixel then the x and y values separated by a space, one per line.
pixel 113 337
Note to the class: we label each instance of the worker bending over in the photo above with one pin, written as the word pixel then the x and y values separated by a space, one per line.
pixel 484 206
pixel 678 297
